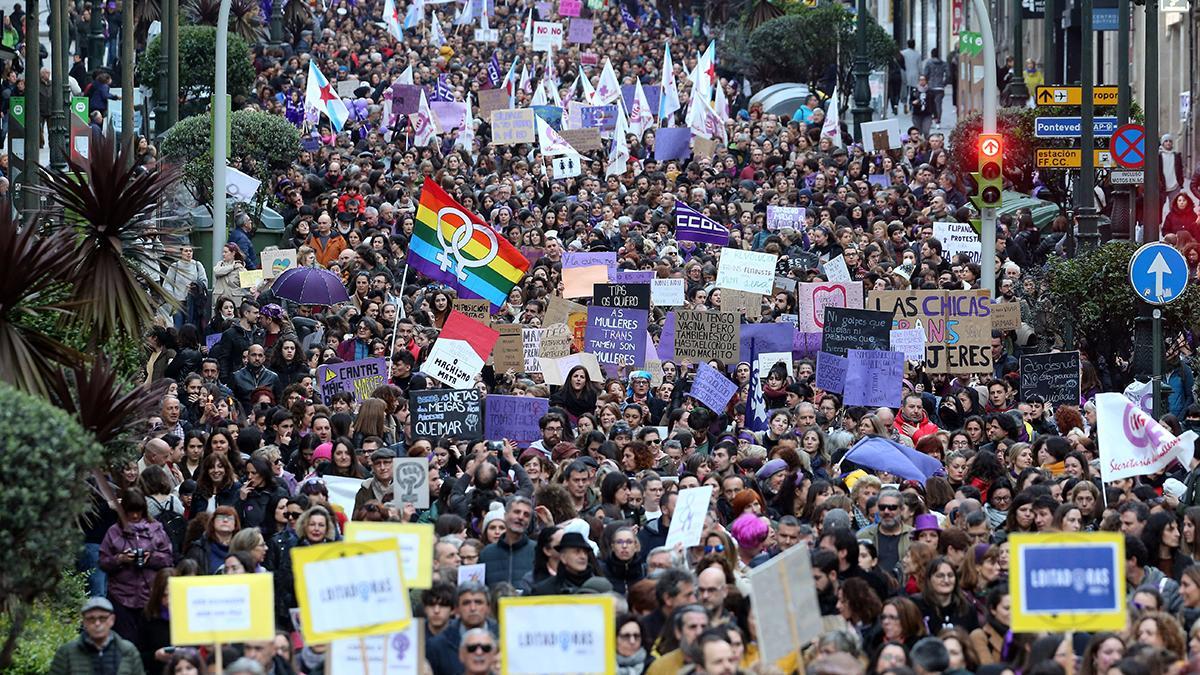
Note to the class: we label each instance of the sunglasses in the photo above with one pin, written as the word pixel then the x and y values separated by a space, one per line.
pixel 293 515
pixel 889 507
pixel 486 648
pixel 719 548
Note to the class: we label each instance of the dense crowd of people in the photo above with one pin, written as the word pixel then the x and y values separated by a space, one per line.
pixel 910 577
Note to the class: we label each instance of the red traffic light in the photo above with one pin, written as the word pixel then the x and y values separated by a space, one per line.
pixel 990 170
pixel 990 145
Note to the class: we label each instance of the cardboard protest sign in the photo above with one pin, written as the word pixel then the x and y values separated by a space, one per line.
pixel 579 282
pixel 687 525
pixel 513 126
pixel 813 298
pixel 748 271
pixel 554 342
pixel 250 278
pixel 576 633
pixel 531 339
pixel 882 135
pixel 559 309
pixel 460 351
pixel 399 653
pixel 581 31
pixel 1006 315
pixel 410 481
pixel 1053 376
pixel 508 352
pixel 958 238
pixel 847 329
pixel 712 388
pixel 478 309
pixel 276 261
pixel 547 35
pixel 706 335
pixel 490 101
pixel 784 602
pixel 910 342
pixel 350 589
pixel 414 539
pixel 831 372
pixel 779 217
pixel 358 377
pixel 514 417
pixel 667 292
pixel 957 324
pixel 873 378
pixel 614 335
pixel 632 296
pixel 583 140
pixel 437 413
pixel 741 302
pixel 209 609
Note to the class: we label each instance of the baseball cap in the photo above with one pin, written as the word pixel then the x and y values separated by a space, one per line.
pixel 97 602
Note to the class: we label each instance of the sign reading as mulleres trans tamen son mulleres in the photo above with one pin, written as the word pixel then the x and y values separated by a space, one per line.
pixel 1067 581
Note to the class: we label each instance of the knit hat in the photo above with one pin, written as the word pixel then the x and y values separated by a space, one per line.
pixel 323 451
pixel 771 468
pixel 495 512
pixel 563 450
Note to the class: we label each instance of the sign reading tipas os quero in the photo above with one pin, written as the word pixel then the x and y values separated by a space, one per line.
pixel 1067 581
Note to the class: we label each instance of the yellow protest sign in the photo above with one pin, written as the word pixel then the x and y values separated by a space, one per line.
pixel 212 609
pixel 574 632
pixel 350 589
pixel 416 546
pixel 1067 581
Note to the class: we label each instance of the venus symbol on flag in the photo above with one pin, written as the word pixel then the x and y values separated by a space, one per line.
pixel 461 235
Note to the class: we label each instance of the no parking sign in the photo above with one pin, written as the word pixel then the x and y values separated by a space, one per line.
pixel 1129 146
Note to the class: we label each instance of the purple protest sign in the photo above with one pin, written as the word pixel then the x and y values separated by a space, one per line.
pixel 357 377
pixel 628 277
pixel 514 417
pixel 672 143
pixel 614 335
pixel 831 372
pixel 873 377
pixel 449 115
pixel 879 179
pixel 572 259
pixel 211 341
pixel 652 92
pixel 666 341
pixel 600 116
pixel 580 31
pixel 712 388
pixel 768 338
pixel 406 98
pixel 544 9
pixel 589 59
pixel 569 7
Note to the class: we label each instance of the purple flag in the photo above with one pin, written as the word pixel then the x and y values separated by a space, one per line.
pixel 630 22
pixel 672 143
pixel 443 91
pixel 494 74
pixel 675 25
pixel 691 225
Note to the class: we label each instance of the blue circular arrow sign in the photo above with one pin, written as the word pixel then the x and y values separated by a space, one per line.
pixel 1158 273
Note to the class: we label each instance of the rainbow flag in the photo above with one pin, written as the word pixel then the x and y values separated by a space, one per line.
pixel 456 247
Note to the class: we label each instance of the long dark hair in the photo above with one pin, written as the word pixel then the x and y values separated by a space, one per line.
pixel 267 473
pixel 540 558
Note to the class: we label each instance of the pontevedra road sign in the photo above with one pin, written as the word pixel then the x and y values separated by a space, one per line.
pixel 1072 127
pixel 1048 95
pixel 1071 158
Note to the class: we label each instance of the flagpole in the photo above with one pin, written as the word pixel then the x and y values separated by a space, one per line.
pixel 220 124
pixel 399 309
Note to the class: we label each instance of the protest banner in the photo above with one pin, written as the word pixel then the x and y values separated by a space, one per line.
pixel 547 35
pixel 1053 376
pixel 554 371
pixel 767 360
pixel 414 539
pixel 628 295
pixel 740 303
pixel 882 135
pixel 706 335
pixel 831 372
pixel 437 413
pixel 957 325
pixel 712 388
pixel 1132 443
pixel 873 378
pixel 478 309
pixel 779 217
pixel 687 524
pixel 276 261
pixel 513 126
pixel 667 292
pixel 583 140
pixel 357 377
pixel 460 351
pixel 514 418
pixel 579 282
pixel 746 271
pixel 581 31
pixel 221 609
pixel 1006 315
pixel 399 653
pixel 813 298
pixel 836 270
pixel 958 238
pixel 490 101
pixel 784 602
pixel 350 589
pixel 509 351
pixel 910 342
pixel 764 338
pixel 614 335
pixel 847 329
pixel 410 482
pixel 602 117
pixel 1062 582
pixel 575 633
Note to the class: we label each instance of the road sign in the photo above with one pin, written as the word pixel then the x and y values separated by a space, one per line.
pixel 1073 96
pixel 1071 158
pixel 1129 146
pixel 1168 6
pixel 1158 273
pixel 1127 177
pixel 1072 127
pixel 970 43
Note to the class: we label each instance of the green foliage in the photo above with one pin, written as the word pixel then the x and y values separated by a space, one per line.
pixel 44 494
pixel 198 66
pixel 801 45
pixel 51 622
pixel 261 140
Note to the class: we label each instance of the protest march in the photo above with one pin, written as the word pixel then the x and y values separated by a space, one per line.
pixel 570 358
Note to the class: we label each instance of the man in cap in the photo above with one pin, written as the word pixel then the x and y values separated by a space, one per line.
pixel 379 485
pixel 98 650
pixel 574 568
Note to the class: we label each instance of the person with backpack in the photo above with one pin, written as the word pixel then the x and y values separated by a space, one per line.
pixel 164 507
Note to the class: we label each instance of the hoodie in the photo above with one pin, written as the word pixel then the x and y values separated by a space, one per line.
pixel 924 427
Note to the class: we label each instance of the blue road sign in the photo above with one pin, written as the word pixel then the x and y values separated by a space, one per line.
pixel 1072 127
pixel 1158 273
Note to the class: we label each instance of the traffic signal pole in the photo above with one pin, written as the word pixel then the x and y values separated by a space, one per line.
pixel 987 234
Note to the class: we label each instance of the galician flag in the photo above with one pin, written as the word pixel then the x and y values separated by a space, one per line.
pixel 320 96
pixel 391 17
pixel 668 100
pixel 415 15
pixel 704 77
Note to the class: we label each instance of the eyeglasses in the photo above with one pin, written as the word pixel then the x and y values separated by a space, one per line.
pixel 719 548
pixel 292 515
pixel 889 507
pixel 96 618
pixel 632 637
pixel 485 648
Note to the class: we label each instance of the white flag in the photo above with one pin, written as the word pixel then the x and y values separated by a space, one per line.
pixel 525 79
pixel 539 96
pixel 618 155
pixel 608 88
pixel 436 37
pixel 391 17
pixel 241 187
pixel 641 117
pixel 406 77
pixel 422 121
pixel 589 92
pixel 668 101
pixel 721 104
pixel 549 140
pixel 1132 443
pixel 528 28
pixel 831 129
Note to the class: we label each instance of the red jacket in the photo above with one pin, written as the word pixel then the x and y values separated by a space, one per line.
pixel 924 428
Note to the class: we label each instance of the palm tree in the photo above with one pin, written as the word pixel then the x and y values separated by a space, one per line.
pixel 245 17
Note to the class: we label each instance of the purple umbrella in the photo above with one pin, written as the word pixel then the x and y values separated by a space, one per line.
pixel 884 454
pixel 310 286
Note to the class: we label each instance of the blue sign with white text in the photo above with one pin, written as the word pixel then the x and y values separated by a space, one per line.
pixel 1072 127
pixel 1058 578
pixel 1158 273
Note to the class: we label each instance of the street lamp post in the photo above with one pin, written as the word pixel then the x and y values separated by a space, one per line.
pixel 276 22
pixel 128 130
pixel 220 123
pixel 96 37
pixel 161 93
pixel 58 113
pixel 862 73
pixel 1089 218
pixel 33 107
pixel 1016 91
pixel 1153 208
pixel 173 65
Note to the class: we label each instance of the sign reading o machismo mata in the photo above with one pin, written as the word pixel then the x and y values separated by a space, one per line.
pixel 1069 581
pixel 558 634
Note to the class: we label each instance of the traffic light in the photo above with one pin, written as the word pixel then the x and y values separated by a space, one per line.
pixel 990 177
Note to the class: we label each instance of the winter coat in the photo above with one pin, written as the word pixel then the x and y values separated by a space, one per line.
pixel 253 509
pixel 78 657
pixel 505 562
pixel 128 584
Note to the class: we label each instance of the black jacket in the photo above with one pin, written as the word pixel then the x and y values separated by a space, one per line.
pixel 253 509
pixel 228 350
pixel 622 575
pixel 246 380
